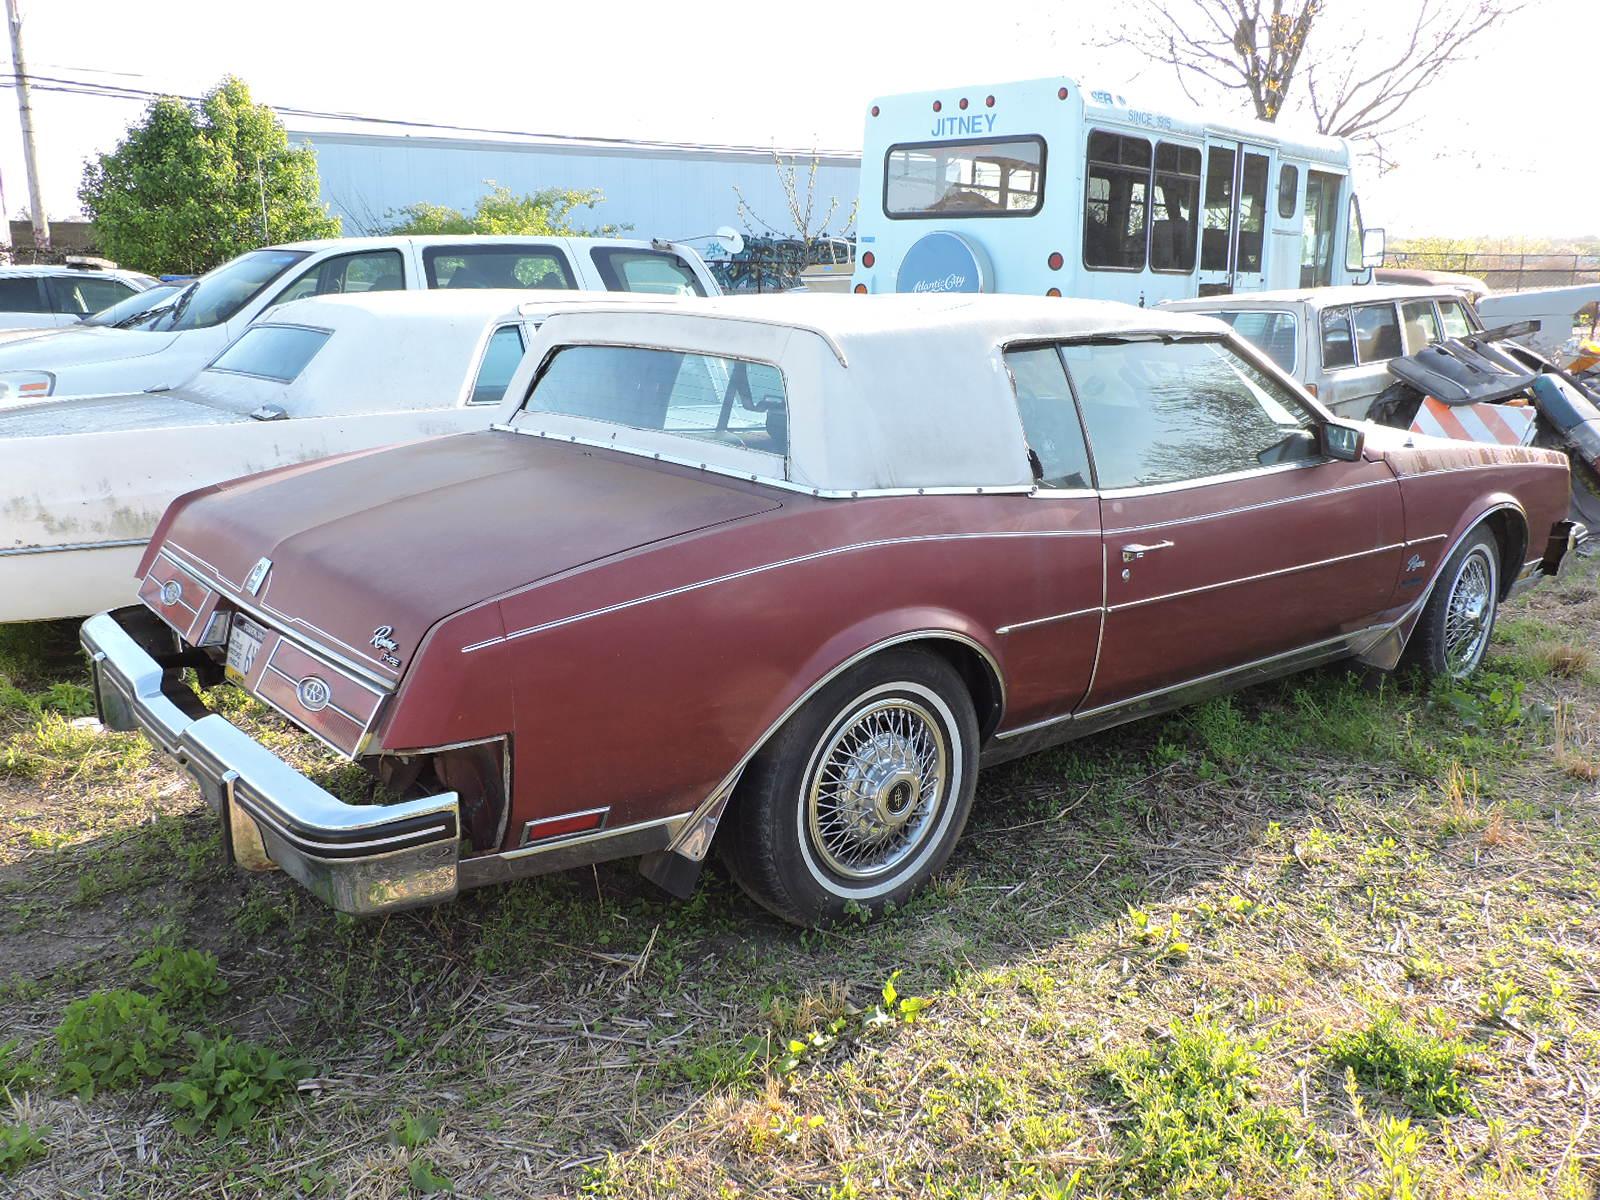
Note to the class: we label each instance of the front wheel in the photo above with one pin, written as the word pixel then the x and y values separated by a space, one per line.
pixel 1456 623
pixel 860 797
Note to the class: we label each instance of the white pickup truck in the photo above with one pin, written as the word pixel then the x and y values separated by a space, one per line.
pixel 174 341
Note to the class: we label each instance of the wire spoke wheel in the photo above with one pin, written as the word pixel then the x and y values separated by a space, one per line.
pixel 1469 612
pixel 877 788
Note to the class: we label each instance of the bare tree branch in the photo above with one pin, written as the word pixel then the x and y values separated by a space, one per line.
pixel 1355 82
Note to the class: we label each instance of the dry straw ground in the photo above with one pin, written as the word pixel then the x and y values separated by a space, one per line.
pixel 1333 937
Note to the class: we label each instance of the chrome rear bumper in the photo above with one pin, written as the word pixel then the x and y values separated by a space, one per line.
pixel 357 858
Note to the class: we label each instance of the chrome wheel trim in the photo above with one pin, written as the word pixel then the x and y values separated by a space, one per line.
pixel 912 851
pixel 1469 612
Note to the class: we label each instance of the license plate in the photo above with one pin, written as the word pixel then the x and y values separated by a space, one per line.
pixel 244 643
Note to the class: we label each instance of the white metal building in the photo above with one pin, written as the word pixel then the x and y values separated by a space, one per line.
pixel 664 190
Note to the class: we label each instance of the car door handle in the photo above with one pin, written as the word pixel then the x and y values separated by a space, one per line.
pixel 1135 550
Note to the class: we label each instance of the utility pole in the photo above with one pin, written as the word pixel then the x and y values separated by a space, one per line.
pixel 41 223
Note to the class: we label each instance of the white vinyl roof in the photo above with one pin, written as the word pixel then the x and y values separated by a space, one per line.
pixel 892 392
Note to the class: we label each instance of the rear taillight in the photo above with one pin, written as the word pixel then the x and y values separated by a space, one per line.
pixel 867 259
pixel 1055 260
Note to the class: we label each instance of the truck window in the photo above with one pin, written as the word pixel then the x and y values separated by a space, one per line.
pixel 497 265
pixel 1454 313
pixel 1175 216
pixel 1421 325
pixel 1338 347
pixel 1377 333
pixel 1270 331
pixel 660 272
pixel 964 179
pixel 1316 245
pixel 1116 210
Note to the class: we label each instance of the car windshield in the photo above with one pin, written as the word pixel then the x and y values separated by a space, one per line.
pixel 701 396
pixel 138 304
pixel 217 295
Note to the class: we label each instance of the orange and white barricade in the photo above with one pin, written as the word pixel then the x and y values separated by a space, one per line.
pixel 1505 424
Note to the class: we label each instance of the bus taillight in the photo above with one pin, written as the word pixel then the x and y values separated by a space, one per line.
pixel 1055 260
pixel 868 259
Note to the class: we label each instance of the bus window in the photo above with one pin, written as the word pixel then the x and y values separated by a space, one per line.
pixel 1252 212
pixel 1288 189
pixel 1175 219
pixel 1219 209
pixel 964 179
pixel 1353 238
pixel 1316 247
pixel 1116 211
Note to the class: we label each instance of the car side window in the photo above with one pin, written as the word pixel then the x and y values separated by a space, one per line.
pixel 500 362
pixel 1421 324
pixel 367 271
pixel 1454 315
pixel 1377 333
pixel 79 297
pixel 1172 412
pixel 1049 418
pixel 21 294
pixel 1338 347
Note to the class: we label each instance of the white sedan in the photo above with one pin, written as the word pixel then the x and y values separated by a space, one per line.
pixel 87 478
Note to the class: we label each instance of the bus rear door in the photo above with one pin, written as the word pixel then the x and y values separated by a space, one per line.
pixel 1233 243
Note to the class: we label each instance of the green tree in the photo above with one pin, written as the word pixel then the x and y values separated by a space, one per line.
pixel 193 185
pixel 548 211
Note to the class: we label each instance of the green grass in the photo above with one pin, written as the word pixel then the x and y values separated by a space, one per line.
pixel 1147 970
pixel 1427 1073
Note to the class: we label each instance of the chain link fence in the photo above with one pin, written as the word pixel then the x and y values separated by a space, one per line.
pixel 1505 272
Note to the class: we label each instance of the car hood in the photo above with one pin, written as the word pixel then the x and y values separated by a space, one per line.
pixel 406 536
pixel 80 347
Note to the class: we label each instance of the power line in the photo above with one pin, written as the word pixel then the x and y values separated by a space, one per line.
pixel 110 91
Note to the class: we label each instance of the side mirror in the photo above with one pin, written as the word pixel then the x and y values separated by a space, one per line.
pixel 1343 442
pixel 1373 244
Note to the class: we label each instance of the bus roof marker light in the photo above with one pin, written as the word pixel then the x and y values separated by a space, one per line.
pixel 874 110
pixel 963 104
pixel 988 101
pixel 1055 260
pixel 1061 93
pixel 937 106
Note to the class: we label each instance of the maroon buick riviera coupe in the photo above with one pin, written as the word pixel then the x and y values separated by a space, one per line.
pixel 779 575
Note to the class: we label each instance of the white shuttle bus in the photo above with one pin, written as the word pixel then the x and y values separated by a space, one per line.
pixel 1043 188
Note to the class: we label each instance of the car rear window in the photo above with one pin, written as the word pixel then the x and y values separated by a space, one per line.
pixel 657 272
pixel 497 266
pixel 278 352
pixel 705 397
pixel 1272 333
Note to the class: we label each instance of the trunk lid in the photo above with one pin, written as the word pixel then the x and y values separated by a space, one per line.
pixel 409 535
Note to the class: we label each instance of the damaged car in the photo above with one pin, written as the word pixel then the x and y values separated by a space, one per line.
pixel 776 577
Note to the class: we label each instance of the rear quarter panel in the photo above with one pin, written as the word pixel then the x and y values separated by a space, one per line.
pixel 639 683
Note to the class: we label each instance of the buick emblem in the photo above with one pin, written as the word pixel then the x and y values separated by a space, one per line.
pixel 171 592
pixel 257 576
pixel 313 694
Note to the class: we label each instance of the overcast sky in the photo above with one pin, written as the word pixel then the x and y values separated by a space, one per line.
pixel 1503 146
